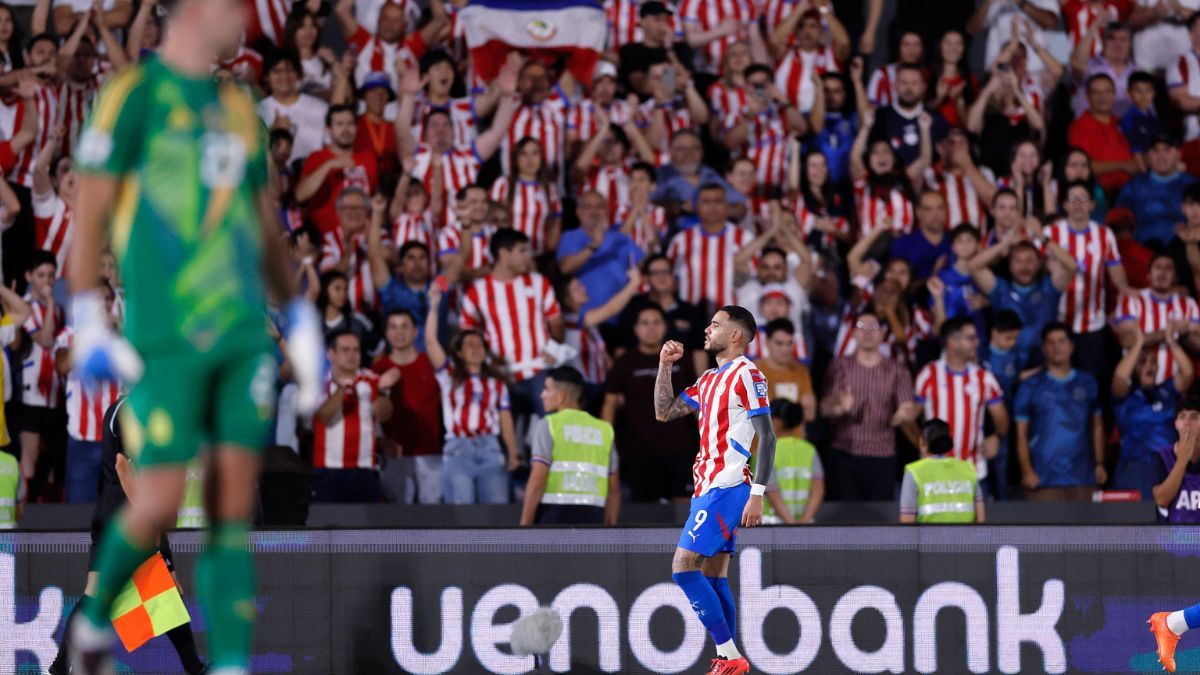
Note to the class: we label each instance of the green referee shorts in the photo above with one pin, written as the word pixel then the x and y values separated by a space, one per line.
pixel 188 399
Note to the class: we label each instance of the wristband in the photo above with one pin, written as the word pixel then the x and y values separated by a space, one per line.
pixel 758 490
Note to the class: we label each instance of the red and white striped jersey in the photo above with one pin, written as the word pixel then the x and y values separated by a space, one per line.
pixel 613 183
pixel 1153 313
pixel 624 26
pixel 725 99
pixel 1186 73
pixel 1031 87
pixel 649 228
pixel 48 118
pixel 589 344
pixel 54 228
pixel 963 203
pixel 85 405
pixel 766 145
pixel 581 118
pixel 875 205
pixel 706 15
pixel 515 318
pixel 881 88
pixel 75 101
pixel 246 64
pixel 377 56
pixel 1080 15
pixel 334 247
pixel 265 18
pixel 472 407
pixel 807 221
pixel 462 118
pixel 531 204
pixel 456 40
pixel 774 12
pixel 460 168
pixel 757 349
pixel 40 379
pixel 959 398
pixel 704 263
pixel 726 398
pixel 450 240
pixel 414 227
pixel 546 122
pixel 349 441
pixel 794 75
pixel 1094 249
pixel 675 117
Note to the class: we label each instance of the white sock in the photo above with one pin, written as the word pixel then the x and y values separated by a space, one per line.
pixel 728 651
pixel 1177 623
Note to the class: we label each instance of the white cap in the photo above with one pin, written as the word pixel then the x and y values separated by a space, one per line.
pixel 604 69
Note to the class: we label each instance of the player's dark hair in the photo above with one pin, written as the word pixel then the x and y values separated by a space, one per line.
pixel 332 339
pixel 568 377
pixel 1190 402
pixel 338 109
pixel 646 168
pixel 953 327
pixel 40 257
pixel 1054 327
pixel 1006 320
pixel 964 228
pixel 411 245
pixel 744 320
pixel 777 325
pixel 936 434
pixel 789 413
pixel 506 240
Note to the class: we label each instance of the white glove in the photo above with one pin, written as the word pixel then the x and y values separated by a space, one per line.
pixel 99 353
pixel 306 350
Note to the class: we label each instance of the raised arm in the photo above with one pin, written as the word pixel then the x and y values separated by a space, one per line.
pixel 1061 264
pixel 137 31
pixel 858 167
pixel 616 304
pixel 916 170
pixel 764 464
pixel 433 348
pixel 15 307
pixel 375 253
pixel 489 141
pixel 343 11
pixel 668 406
pixel 980 266
pixel 42 185
pixel 1184 370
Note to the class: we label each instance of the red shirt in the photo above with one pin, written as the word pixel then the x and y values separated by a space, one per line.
pixel 415 424
pixel 379 140
pixel 1136 260
pixel 1103 142
pixel 321 205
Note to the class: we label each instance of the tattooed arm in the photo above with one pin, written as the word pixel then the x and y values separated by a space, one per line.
pixel 668 406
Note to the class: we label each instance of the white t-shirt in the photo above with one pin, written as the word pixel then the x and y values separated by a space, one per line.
pixel 1000 26
pixel 367 12
pixel 1158 46
pixel 307 114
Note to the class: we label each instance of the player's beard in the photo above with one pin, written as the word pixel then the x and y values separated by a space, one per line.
pixel 714 349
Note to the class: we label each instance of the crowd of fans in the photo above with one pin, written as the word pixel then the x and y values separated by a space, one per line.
pixel 1013 249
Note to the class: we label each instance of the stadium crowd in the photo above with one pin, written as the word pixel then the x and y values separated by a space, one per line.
pixel 1009 243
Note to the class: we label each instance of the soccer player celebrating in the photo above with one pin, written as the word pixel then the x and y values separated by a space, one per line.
pixel 731 401
pixel 176 164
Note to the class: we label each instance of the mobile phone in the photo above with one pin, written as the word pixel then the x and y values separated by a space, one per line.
pixel 668 77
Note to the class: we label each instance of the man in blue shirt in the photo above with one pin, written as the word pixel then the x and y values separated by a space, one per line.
pixel 595 253
pixel 1060 431
pixel 897 124
pixel 679 181
pixel 409 287
pixel 1030 294
pixel 1156 195
pixel 929 242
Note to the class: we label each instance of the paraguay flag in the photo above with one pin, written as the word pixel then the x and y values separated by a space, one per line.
pixel 543 30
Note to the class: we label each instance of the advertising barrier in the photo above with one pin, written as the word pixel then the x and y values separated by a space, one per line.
pixel 892 599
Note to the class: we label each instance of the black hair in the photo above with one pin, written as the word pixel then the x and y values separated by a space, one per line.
pixel 1190 402
pixel 650 259
pixel 789 413
pixel 772 250
pixel 506 240
pixel 708 187
pixel 1085 185
pixel 462 191
pixel 278 135
pixel 1143 77
pixel 309 230
pixel 1006 320
pixel 568 376
pixel 40 257
pixel 936 434
pixel 1191 20
pixel 432 113
pixel 901 67
pixel 41 37
pixel 777 325
pixel 434 57
pixel 646 168
pixel 744 320
pixel 651 307
pixel 1054 327
pixel 964 65
pixel 331 340
pixel 283 56
pixel 964 228
pixel 1191 193
pixel 952 327
pixel 1005 191
pixel 400 311
pixel 757 68
pixel 339 108
pixel 323 295
pixel 411 245
pixel 1096 77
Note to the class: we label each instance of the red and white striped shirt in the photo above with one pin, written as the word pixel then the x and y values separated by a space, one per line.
pixel 794 75
pixel 590 346
pixel 450 240
pixel 76 101
pixel 54 228
pixel 266 19
pixel 757 349
pixel 704 263
pixel 675 117
pixel 725 99
pixel 377 56
pixel 460 168
pixel 612 182
pixel 1031 87
pixel 963 203
pixel 334 248
pixel 85 405
pixel 1094 249
pixel 874 206
pixel 39 377
pixel 1154 313
pixel 462 118
pixel 246 64
pixel 766 145
pixel 1080 15
pixel 706 15
pixel 726 397
pixel 349 441
pixel 881 89
pixel 774 12
pixel 807 221
pixel 546 122
pixel 531 204
pixel 515 318
pixel 472 407
pixel 48 118
pixel 414 227
pixel 649 229
pixel 624 24
pixel 959 398
pixel 1186 73
pixel 581 119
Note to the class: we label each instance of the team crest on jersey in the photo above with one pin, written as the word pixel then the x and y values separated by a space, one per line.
pixel 760 389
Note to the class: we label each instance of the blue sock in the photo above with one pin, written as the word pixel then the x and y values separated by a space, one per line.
pixel 706 603
pixel 1192 616
pixel 725 595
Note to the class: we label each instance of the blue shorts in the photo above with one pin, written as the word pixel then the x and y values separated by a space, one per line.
pixel 712 523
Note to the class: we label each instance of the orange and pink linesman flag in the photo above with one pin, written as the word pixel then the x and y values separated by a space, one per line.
pixel 543 30
pixel 149 605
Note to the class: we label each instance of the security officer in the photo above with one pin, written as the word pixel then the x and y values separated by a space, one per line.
pixel 939 488
pixel 573 477
pixel 798 482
